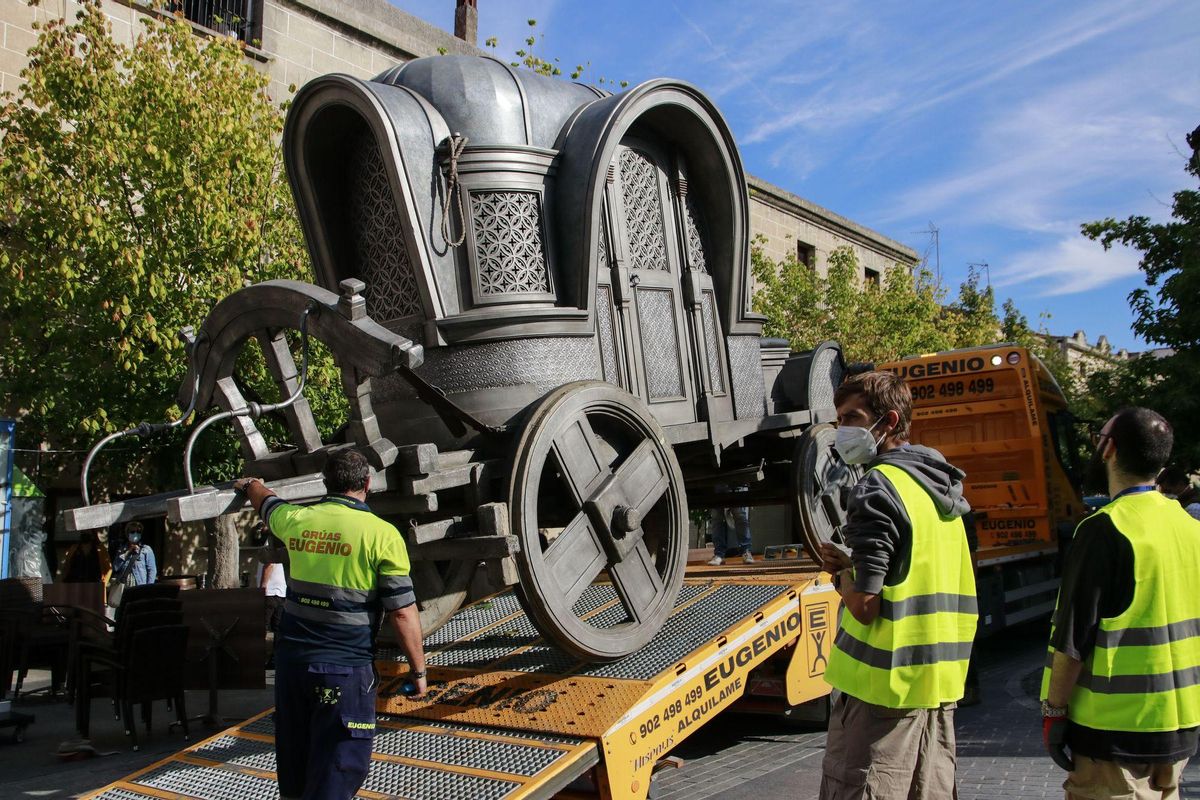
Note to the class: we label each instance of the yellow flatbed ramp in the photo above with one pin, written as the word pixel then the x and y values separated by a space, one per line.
pixel 509 716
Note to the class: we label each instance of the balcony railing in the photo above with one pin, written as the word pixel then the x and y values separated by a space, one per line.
pixel 241 19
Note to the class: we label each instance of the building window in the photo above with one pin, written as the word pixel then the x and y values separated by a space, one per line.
pixel 871 276
pixel 806 254
pixel 241 19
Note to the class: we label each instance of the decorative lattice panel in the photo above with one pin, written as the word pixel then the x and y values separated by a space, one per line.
pixel 379 242
pixel 643 212
pixel 745 365
pixel 606 330
pixel 697 255
pixel 509 254
pixel 660 343
pixel 712 342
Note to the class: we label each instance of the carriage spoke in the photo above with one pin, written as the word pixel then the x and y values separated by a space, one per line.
pixel 637 582
pixel 579 459
pixel 643 478
pixel 575 558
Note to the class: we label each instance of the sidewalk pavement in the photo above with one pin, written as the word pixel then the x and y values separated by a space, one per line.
pixel 32 770
pixel 1000 754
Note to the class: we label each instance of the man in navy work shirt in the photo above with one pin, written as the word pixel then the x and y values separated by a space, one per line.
pixel 348 568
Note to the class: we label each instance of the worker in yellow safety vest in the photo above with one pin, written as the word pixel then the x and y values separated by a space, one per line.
pixel 347 570
pixel 1121 688
pixel 909 613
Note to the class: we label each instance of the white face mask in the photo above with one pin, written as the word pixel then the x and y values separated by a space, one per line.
pixel 857 445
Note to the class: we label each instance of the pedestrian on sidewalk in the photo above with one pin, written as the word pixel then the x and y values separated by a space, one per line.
pixel 909 612
pixel 730 528
pixel 1120 688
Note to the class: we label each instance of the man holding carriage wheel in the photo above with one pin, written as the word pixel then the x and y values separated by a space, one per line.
pixel 909 609
pixel 347 568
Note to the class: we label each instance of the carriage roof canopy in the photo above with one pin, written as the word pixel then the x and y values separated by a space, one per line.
pixel 372 165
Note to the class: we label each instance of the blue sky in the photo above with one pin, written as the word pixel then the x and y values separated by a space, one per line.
pixel 1005 125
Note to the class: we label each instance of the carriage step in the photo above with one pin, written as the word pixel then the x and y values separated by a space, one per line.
pixel 470 474
pixel 467 548
pixel 424 459
pixel 490 519
pixel 451 528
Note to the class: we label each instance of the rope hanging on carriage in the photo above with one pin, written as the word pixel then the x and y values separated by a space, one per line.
pixel 454 145
pixel 252 409
pixel 146 429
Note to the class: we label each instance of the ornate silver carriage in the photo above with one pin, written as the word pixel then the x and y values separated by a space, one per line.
pixel 538 294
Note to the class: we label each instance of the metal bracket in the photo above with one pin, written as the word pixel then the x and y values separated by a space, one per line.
pixel 457 418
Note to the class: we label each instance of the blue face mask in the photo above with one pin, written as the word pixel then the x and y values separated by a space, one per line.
pixel 135 538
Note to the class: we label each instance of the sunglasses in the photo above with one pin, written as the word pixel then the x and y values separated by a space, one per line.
pixel 1098 437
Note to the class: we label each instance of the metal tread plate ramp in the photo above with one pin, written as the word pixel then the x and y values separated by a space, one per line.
pixel 508 716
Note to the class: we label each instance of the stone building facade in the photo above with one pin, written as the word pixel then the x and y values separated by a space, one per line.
pixel 1085 357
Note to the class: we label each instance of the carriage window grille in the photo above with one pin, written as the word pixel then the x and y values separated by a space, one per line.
pixel 607 333
pixel 660 343
pixel 708 312
pixel 643 211
pixel 509 255
pixel 697 257
pixel 379 241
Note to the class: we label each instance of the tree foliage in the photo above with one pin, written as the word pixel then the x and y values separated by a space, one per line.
pixel 904 314
pixel 1166 313
pixel 139 185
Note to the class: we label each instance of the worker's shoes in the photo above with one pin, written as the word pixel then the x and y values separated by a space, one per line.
pixel 747 557
pixel 716 561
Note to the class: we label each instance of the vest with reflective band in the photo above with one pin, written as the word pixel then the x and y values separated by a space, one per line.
pixel 346 567
pixel 1144 672
pixel 915 653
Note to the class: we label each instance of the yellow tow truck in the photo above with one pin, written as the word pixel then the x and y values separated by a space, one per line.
pixel 509 716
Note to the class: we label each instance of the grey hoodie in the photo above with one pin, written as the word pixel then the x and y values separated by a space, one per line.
pixel 878 530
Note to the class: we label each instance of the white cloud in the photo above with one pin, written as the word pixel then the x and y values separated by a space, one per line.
pixel 1069 265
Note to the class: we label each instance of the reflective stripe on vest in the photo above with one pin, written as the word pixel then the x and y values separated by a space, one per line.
pixel 915 653
pixel 1144 672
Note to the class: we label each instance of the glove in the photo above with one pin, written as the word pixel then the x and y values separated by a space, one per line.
pixel 1054 736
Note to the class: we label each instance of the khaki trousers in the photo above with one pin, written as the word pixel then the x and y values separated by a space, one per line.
pixel 877 753
pixel 1110 780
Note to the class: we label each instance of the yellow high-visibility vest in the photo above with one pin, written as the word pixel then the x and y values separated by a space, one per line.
pixel 915 653
pixel 1144 672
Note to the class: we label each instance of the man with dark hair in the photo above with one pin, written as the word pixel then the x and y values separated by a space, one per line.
pixel 1120 688
pixel 909 610
pixel 1175 484
pixel 347 568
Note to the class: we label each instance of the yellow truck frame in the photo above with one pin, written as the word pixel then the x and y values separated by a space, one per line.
pixel 509 716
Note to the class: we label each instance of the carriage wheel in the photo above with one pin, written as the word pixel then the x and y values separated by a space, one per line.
pixel 596 491
pixel 821 484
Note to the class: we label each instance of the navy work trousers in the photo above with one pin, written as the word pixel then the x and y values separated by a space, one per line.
pixel 324 722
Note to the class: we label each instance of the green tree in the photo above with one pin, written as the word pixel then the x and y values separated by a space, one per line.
pixel 1165 313
pixel 974 313
pixel 873 322
pixel 139 185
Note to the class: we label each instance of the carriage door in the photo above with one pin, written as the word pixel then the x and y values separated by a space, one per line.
pixel 654 316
